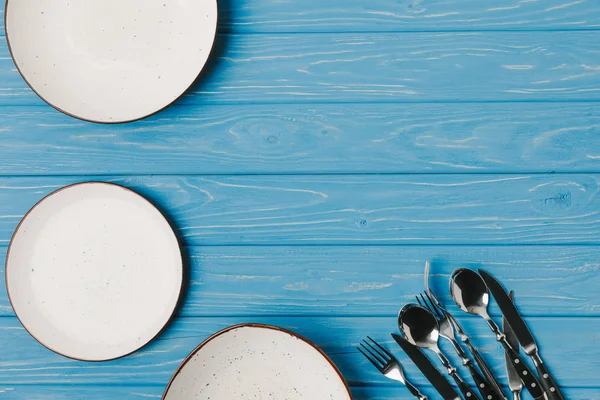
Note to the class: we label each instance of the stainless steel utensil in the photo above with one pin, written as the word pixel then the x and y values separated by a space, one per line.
pixel 487 372
pixel 447 332
pixel 387 364
pixel 443 387
pixel 470 293
pixel 514 381
pixel 519 327
pixel 421 328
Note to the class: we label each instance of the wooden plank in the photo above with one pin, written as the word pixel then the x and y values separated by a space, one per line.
pixel 81 392
pixel 320 138
pixel 417 15
pixel 337 336
pixel 368 281
pixel 395 67
pixel 346 209
pixel 253 16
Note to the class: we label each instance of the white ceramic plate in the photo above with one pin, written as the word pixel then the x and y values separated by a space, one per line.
pixel 257 362
pixel 112 60
pixel 94 271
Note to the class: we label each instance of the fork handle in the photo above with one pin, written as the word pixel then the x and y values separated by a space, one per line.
pixel 465 389
pixel 491 379
pixel 415 392
pixel 485 389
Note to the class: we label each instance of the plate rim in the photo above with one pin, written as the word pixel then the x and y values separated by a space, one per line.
pixel 70 114
pixel 254 325
pixel 181 286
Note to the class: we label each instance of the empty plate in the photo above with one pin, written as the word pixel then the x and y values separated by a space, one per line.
pixel 257 362
pixel 94 271
pixel 110 61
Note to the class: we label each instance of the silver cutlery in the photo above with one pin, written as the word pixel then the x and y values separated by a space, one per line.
pixel 514 382
pixel 443 387
pixel 485 369
pixel 421 328
pixel 470 293
pixel 387 364
pixel 447 332
pixel 524 336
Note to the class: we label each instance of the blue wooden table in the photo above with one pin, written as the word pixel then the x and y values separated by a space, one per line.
pixel 331 148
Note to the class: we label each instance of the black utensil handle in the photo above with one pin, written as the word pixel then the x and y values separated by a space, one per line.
pixel 465 389
pixel 548 383
pixel 485 389
pixel 415 392
pixel 491 379
pixel 527 376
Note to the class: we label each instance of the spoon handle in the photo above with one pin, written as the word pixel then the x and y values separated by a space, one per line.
pixel 529 379
pixel 462 385
pixel 527 376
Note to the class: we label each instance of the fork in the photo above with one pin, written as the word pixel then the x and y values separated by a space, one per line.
pixel 387 364
pixel 487 372
pixel 447 332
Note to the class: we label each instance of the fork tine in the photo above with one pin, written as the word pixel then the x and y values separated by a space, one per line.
pixel 375 363
pixel 432 308
pixel 374 358
pixel 420 302
pixel 437 308
pixel 380 347
pixel 389 354
pixel 382 357
pixel 426 304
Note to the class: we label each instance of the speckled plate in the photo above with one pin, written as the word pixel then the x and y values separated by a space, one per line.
pixel 254 361
pixel 110 61
pixel 94 271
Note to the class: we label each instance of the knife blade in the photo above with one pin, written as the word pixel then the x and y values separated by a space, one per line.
pixel 514 381
pixel 426 367
pixel 523 334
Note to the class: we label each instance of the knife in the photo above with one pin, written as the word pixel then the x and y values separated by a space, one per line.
pixel 431 373
pixel 521 331
pixel 514 381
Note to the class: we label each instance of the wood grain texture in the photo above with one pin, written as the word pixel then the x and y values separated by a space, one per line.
pixel 348 209
pixel 267 16
pixel 320 138
pixel 407 15
pixel 336 336
pixel 86 392
pixel 375 281
pixel 395 67
pixel 329 149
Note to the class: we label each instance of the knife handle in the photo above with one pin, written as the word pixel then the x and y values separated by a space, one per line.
pixel 485 369
pixel 527 376
pixel 548 383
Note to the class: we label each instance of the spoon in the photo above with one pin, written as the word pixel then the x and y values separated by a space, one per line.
pixel 487 372
pixel 470 293
pixel 421 328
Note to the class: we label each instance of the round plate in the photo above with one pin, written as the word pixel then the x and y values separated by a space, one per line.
pixel 94 271
pixel 110 61
pixel 255 361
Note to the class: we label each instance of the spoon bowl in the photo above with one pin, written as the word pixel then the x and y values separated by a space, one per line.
pixel 419 326
pixel 469 291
